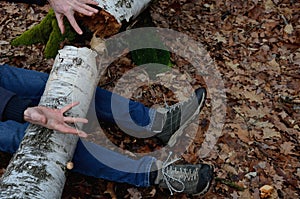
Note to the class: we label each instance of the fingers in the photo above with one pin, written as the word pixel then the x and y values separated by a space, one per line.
pixel 69 106
pixel 74 131
pixel 72 119
pixel 82 134
pixel 75 120
pixel 87 2
pixel 60 22
pixel 92 2
pixel 67 8
pixel 85 9
pixel 74 23
pixel 71 19
pixel 70 130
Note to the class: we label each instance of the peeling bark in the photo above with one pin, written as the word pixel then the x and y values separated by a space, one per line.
pixel 113 13
pixel 37 169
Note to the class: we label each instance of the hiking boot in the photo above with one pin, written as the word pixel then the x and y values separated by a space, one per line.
pixel 189 179
pixel 177 116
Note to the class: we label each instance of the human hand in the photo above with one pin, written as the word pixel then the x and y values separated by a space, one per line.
pixel 54 119
pixel 68 7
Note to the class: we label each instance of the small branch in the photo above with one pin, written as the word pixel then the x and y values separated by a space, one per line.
pixel 284 19
pixel 230 184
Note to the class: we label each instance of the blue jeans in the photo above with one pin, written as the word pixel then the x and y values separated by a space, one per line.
pixel 30 84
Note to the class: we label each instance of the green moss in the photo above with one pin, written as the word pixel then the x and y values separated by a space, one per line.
pixel 46 32
pixel 37 34
pixel 143 56
pixel 159 56
pixel 150 55
pixel 55 38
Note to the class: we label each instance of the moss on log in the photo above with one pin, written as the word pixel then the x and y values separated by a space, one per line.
pixel 46 32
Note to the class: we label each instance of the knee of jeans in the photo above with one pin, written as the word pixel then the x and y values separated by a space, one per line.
pixel 139 113
pixel 140 118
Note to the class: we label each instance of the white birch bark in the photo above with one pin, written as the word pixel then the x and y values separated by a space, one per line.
pixel 37 170
pixel 123 9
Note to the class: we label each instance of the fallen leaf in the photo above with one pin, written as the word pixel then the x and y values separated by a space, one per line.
pixel 265 124
pixel 270 133
pixel 266 191
pixel 111 190
pixel 255 112
pixel 98 44
pixel 278 181
pixel 245 194
pixel 286 148
pixel 230 169
pixel 220 38
pixel 289 29
pixel 269 6
pixel 253 96
pixel 235 195
pixel 243 134
pixel 298 172
pixel 152 193
pixel 134 193
pixel 3 42
pixel 273 63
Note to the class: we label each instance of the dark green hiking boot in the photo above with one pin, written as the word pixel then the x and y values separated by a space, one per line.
pixel 190 179
pixel 178 115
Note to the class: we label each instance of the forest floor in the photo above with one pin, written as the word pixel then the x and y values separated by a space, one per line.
pixel 256 48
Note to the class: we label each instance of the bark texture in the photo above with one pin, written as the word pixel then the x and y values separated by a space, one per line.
pixel 37 169
pixel 123 9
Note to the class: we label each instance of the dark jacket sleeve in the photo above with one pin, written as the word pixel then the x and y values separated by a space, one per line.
pixel 5 96
pixel 38 2
pixel 11 106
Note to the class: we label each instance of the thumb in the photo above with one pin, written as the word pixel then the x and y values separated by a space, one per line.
pixel 36 117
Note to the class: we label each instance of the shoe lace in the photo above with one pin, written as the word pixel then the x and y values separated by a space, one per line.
pixel 167 175
pixel 174 106
pixel 177 105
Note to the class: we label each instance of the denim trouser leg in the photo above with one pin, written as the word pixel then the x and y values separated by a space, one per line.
pixel 27 84
pixel 30 84
pixel 11 134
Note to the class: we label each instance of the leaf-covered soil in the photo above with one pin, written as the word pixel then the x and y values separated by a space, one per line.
pixel 256 46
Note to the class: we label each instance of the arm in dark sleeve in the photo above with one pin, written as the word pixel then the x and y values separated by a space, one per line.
pixel 11 106
pixel 38 2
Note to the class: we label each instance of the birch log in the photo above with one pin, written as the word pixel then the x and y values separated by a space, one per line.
pixel 37 170
pixel 123 9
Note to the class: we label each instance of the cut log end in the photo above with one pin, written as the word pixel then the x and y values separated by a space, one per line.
pixel 102 24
